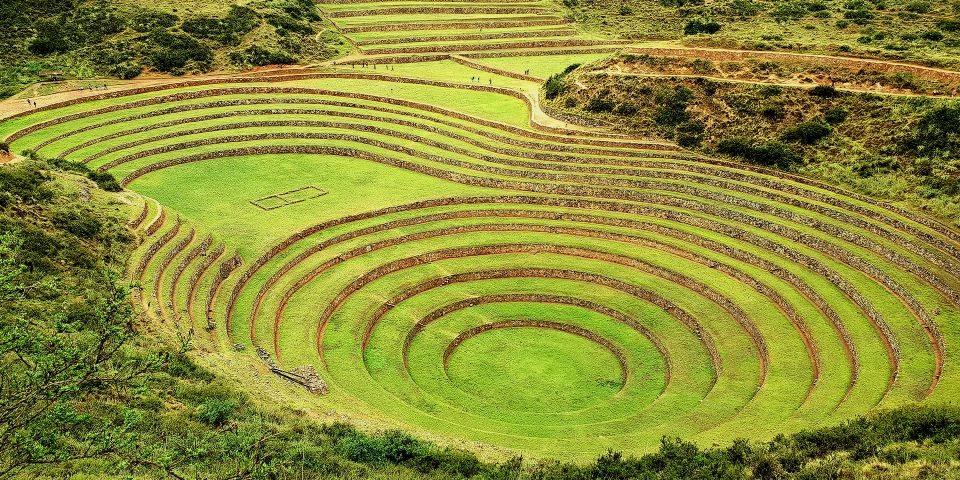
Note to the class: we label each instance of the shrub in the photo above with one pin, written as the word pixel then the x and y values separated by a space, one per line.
pixel 773 112
pixel 824 91
pixel 215 411
pixel 937 134
pixel 626 109
pixel 4 147
pixel 228 30
pixel 150 20
pixel 554 86
pixel 694 27
pixel 673 106
pixel 599 105
pixel 949 25
pixel 105 181
pixel 81 223
pixel 919 6
pixel 25 181
pixel 807 132
pixel 836 116
pixel 932 35
pixel 52 37
pixel 175 52
pixel 771 153
pixel 259 56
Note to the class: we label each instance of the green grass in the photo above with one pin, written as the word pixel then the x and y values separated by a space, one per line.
pixel 572 404
pixel 542 66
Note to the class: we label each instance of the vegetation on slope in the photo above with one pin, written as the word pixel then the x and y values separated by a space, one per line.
pixel 121 39
pixel 896 147
pixel 88 392
pixel 916 30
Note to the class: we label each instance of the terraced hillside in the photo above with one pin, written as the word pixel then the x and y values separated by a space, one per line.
pixel 453 262
pixel 497 28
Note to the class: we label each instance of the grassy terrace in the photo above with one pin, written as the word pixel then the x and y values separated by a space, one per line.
pixel 420 27
pixel 633 288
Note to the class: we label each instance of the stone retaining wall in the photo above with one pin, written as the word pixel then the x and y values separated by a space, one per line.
pixel 469 36
pixel 465 25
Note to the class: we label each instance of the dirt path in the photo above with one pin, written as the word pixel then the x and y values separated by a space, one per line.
pixel 852 63
pixel 755 82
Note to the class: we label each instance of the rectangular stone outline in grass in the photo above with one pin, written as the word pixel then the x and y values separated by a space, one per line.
pixel 290 197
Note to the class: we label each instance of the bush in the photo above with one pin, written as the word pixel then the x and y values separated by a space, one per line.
pixel 673 106
pixel 216 412
pixel 25 181
pixel 105 181
pixel 4 147
pixel 81 223
pixel 937 134
pixel 807 133
pixel 824 91
pixel 52 37
pixel 554 86
pixel 949 25
pixel 285 24
pixel 771 153
pixel 259 56
pixel 148 21
pixel 228 30
pixel 176 52
pixel 694 27
pixel 836 116
pixel 599 105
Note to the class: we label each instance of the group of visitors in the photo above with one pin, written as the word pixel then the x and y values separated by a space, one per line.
pixel 102 86
pixel 477 80
pixel 374 65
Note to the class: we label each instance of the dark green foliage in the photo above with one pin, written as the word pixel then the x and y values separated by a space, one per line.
pixel 215 411
pixel 80 222
pixel 680 3
pixel 150 20
pixel 259 56
pixel 824 91
pixel 807 132
pixel 949 25
pixel 937 134
pixel 287 24
pixel 554 86
pixel 694 27
pixel 4 147
pixel 769 153
pixel 24 181
pixel 105 180
pixel 932 35
pixel 836 116
pixel 176 52
pixel 228 30
pixel 599 105
pixel 673 106
pixel 690 134
pixel 74 29
pixel 773 112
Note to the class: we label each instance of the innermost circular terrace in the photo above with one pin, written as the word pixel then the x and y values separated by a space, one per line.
pixel 535 365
